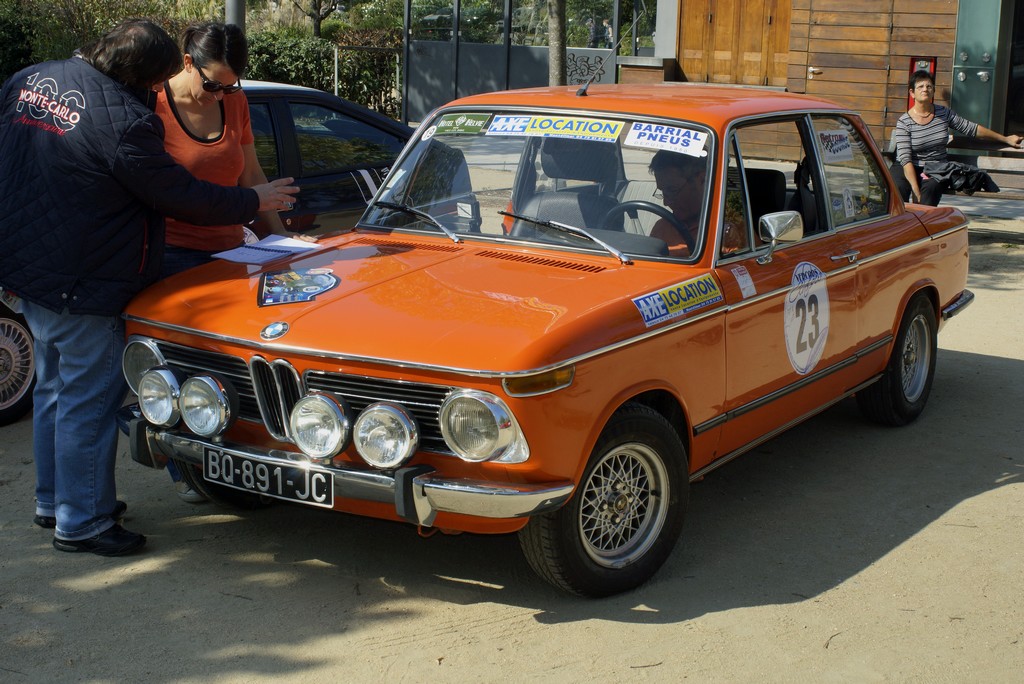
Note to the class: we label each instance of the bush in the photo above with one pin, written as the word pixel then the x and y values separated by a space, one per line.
pixel 331 29
pixel 364 76
pixel 279 56
pixel 15 48
pixel 62 26
pixel 369 76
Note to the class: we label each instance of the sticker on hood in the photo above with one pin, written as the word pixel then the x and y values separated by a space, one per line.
pixel 287 287
pixel 678 300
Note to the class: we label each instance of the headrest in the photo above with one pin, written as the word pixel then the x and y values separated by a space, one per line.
pixel 768 184
pixel 582 160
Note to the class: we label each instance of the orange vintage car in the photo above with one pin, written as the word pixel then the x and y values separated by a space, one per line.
pixel 558 312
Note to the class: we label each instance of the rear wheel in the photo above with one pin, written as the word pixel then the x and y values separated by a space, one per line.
pixel 901 393
pixel 17 367
pixel 626 514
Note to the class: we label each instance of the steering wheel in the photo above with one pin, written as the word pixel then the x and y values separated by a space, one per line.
pixel 632 206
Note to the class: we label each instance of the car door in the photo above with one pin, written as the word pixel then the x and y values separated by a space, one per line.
pixel 882 240
pixel 337 157
pixel 791 321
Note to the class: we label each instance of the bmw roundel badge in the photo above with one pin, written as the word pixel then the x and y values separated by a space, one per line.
pixel 274 330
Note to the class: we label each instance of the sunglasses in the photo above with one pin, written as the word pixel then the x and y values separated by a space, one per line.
pixel 216 86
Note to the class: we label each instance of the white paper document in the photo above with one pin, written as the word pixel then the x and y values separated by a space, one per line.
pixel 267 249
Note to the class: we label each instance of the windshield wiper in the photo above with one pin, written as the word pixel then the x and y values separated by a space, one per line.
pixel 572 230
pixel 405 209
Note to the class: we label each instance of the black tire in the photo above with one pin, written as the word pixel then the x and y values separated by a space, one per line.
pixel 900 395
pixel 220 494
pixel 620 526
pixel 17 367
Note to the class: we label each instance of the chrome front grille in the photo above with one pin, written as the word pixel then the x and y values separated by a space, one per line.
pixel 277 389
pixel 193 361
pixel 422 401
pixel 268 390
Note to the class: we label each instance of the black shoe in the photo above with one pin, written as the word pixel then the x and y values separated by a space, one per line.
pixel 50 522
pixel 115 541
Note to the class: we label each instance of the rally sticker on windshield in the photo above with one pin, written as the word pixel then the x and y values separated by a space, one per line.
pixel 672 138
pixel 288 287
pixel 805 317
pixel 678 300
pixel 462 124
pixel 557 127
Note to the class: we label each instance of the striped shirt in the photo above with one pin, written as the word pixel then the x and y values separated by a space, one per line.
pixel 920 143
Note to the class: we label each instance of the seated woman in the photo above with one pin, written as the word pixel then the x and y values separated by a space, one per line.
pixel 681 180
pixel 921 137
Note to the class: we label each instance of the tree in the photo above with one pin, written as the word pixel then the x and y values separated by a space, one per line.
pixel 317 10
pixel 556 42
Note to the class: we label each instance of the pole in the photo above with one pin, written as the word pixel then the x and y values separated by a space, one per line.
pixel 234 13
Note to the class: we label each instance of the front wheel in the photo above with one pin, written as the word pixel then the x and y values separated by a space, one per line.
pixel 626 515
pixel 899 396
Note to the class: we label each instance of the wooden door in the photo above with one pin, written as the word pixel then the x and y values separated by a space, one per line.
pixel 735 41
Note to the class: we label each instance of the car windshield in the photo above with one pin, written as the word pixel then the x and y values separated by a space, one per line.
pixel 619 186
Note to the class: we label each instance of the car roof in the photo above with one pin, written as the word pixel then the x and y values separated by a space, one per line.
pixel 270 88
pixel 714 105
pixel 270 85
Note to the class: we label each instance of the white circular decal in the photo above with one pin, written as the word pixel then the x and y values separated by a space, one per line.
pixel 806 317
pixel 429 133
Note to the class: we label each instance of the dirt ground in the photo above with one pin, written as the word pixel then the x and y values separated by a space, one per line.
pixel 840 551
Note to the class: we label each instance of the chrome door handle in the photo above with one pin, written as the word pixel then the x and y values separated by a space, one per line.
pixel 850 255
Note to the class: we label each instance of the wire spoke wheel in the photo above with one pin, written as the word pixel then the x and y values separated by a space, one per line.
pixel 17 370
pixel 915 359
pixel 626 514
pixel 624 505
pixel 901 392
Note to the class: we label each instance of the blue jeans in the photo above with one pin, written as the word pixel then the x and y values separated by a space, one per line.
pixel 79 387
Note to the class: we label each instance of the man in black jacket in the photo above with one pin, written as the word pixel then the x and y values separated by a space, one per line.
pixel 86 183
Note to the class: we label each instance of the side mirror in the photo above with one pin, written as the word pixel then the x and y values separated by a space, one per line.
pixel 780 226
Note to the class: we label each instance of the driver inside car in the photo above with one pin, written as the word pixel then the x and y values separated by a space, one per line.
pixel 680 179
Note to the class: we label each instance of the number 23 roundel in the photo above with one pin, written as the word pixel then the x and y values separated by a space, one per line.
pixel 806 317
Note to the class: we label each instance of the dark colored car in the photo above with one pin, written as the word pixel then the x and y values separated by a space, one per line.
pixel 337 151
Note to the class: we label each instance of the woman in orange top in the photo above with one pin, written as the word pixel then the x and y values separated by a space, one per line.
pixel 206 121
pixel 207 130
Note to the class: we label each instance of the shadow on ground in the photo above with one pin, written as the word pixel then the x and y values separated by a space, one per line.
pixel 802 514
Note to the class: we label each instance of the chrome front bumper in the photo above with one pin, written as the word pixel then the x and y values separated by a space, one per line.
pixel 417 492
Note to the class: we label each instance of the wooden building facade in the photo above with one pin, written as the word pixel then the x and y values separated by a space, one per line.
pixel 860 53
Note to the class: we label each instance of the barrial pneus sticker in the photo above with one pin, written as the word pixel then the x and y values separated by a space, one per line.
pixel 806 317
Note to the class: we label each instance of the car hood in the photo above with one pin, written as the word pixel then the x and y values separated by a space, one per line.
pixel 418 301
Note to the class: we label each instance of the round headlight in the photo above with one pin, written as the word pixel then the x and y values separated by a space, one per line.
pixel 139 356
pixel 319 426
pixel 477 426
pixel 206 405
pixel 158 396
pixel 386 435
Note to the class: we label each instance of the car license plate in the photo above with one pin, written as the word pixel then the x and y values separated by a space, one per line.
pixel 303 484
